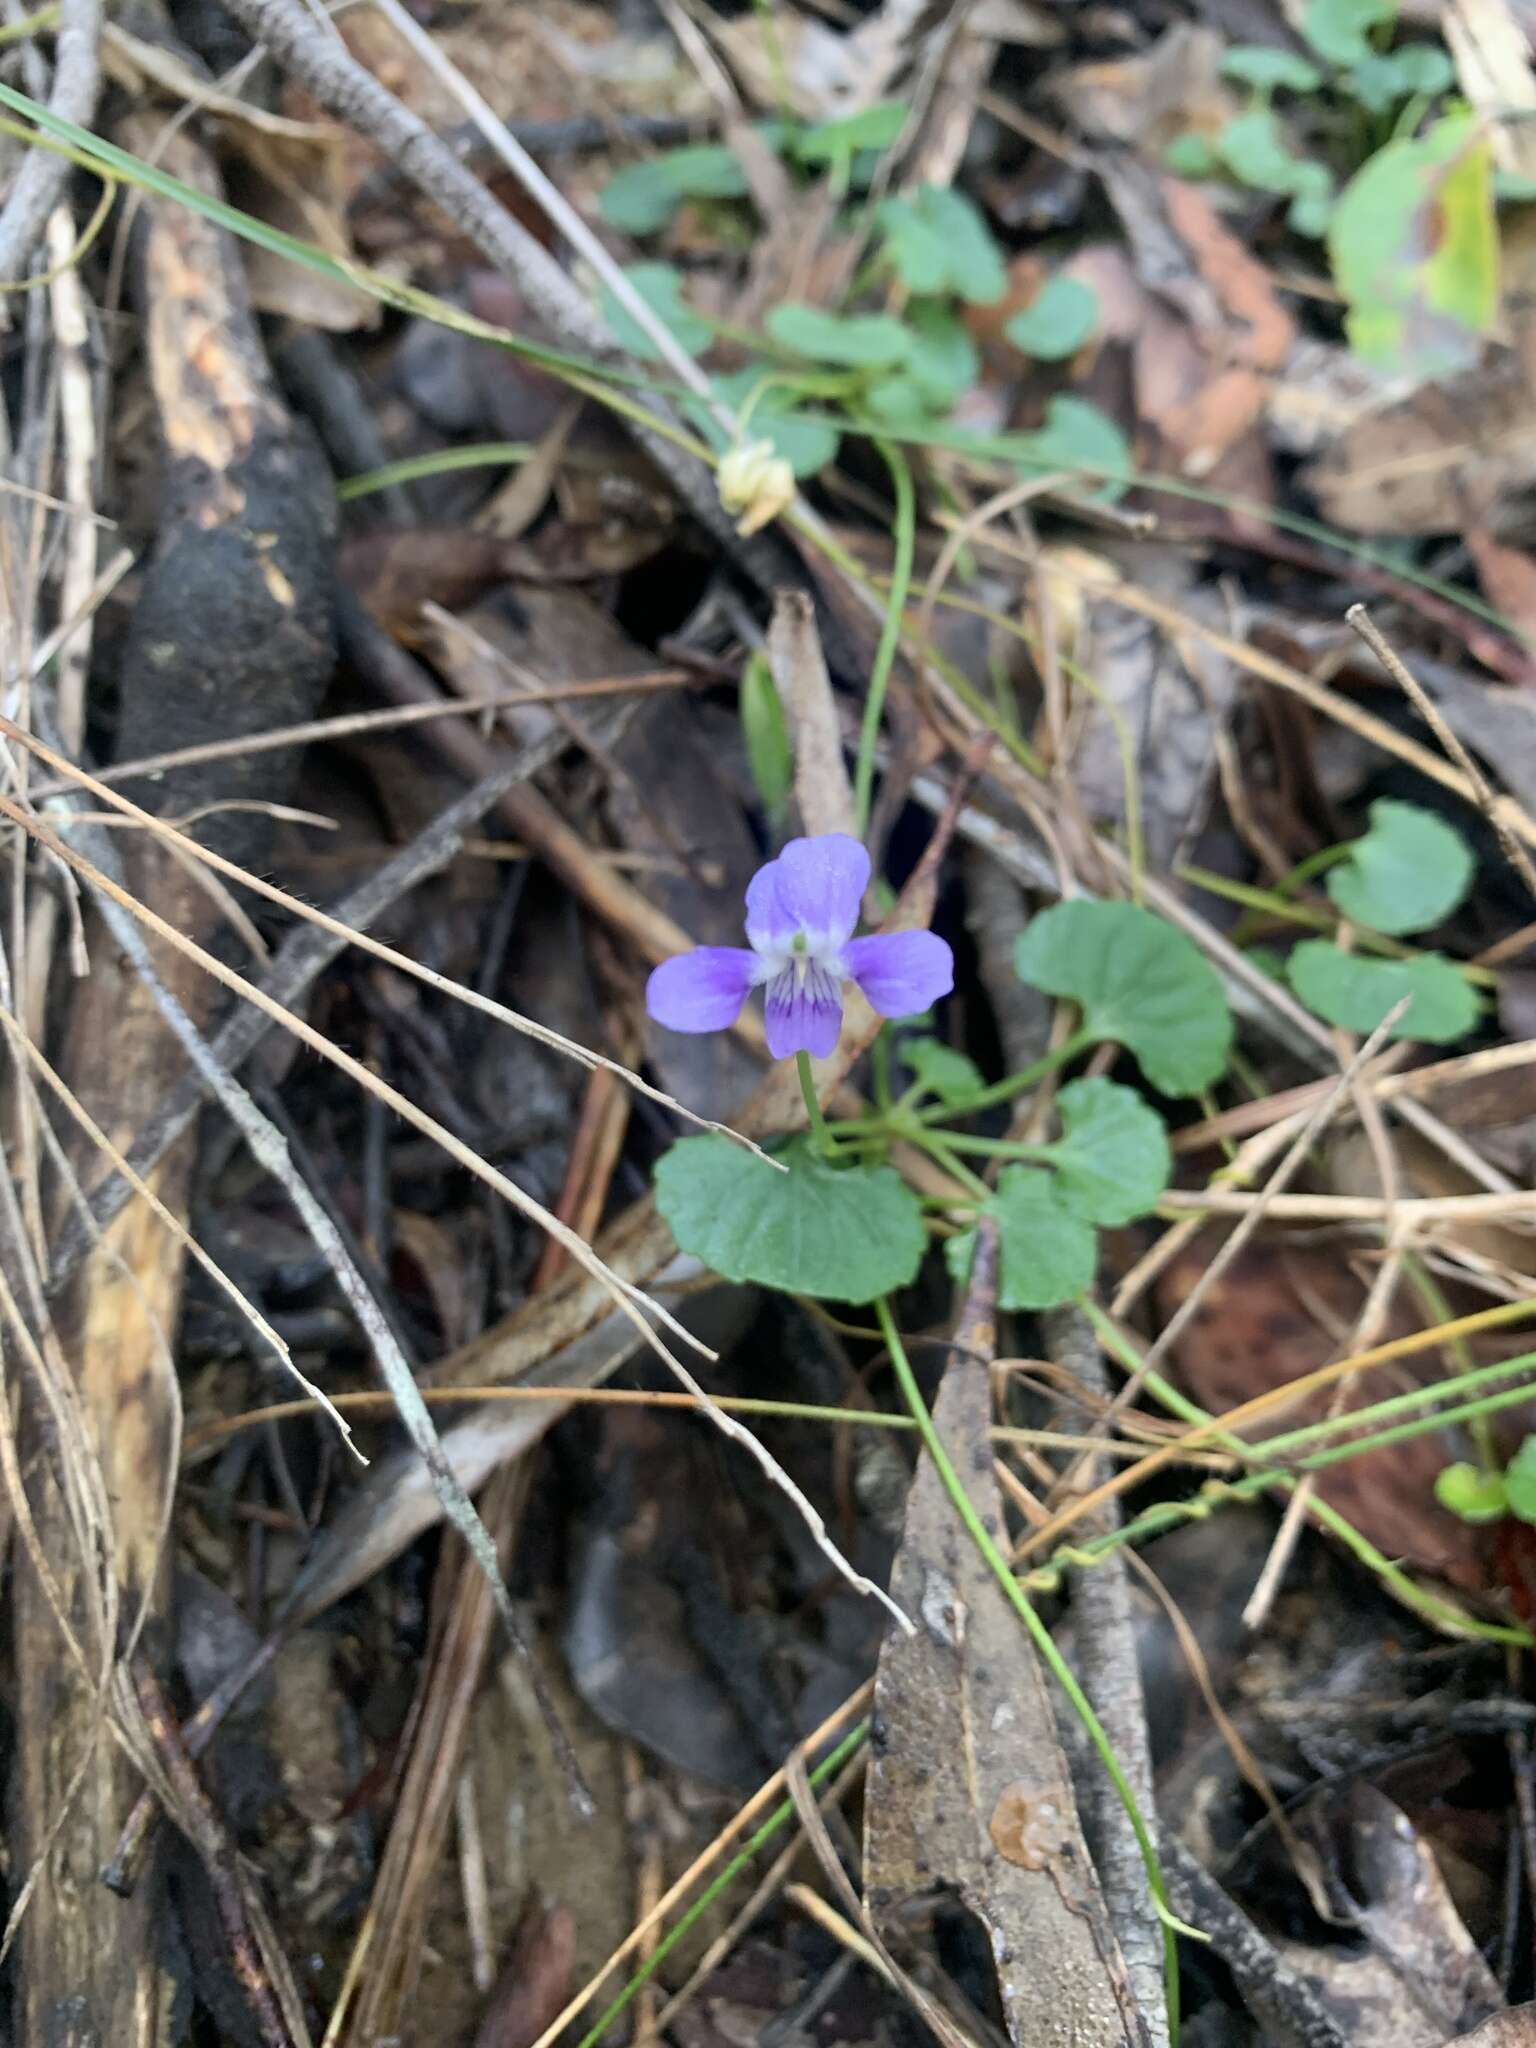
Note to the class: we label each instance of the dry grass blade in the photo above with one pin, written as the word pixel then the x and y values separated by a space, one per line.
pixel 457 990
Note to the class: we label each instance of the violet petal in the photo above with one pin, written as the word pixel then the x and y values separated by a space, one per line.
pixel 803 1011
pixel 771 925
pixel 702 990
pixel 820 883
pixel 901 972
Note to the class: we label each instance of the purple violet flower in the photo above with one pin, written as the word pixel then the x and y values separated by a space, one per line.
pixel 801 911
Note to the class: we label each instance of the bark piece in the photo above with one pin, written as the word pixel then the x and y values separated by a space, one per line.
pixel 968 1787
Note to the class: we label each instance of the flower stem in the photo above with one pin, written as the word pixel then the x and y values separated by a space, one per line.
pixel 1014 1084
pixel 821 1137
pixel 1043 1641
pixel 890 632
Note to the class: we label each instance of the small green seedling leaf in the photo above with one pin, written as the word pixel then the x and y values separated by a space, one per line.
pixel 1267 69
pixel 1414 247
pixel 1312 199
pixel 876 127
pixel 769 754
pixel 1112 1160
pixel 1339 29
pixel 943 1072
pixel 806 442
pixel 1138 982
pixel 1191 156
pixel 943 363
pixel 642 198
pixel 1076 436
pixel 841 1234
pixel 1057 321
pixel 661 287
pixel 1520 1481
pixel 1409 872
pixel 939 243
pixel 858 341
pixel 1045 1255
pixel 1356 993
pixel 1382 82
pixel 899 401
pixel 1253 148
pixel 1472 1494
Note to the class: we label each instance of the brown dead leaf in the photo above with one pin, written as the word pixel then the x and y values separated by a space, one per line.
pixel 395 573
pixel 1440 461
pixel 1150 100
pixel 1508 577
pixel 1262 330
pixel 1209 332
pixel 966 1750
pixel 535 1983
pixel 1513 2029
pixel 805 689
pixel 1420 1972
pixel 1160 695
pixel 1282 1310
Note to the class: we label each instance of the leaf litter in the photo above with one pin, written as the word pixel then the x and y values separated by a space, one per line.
pixel 990 414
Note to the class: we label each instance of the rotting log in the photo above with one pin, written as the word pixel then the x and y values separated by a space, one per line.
pixel 232 634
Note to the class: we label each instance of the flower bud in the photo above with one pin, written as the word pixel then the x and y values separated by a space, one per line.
pixel 755 484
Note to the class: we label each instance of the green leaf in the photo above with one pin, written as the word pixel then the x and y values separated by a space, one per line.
pixel 1414 248
pixel 1190 156
pixel 1337 29
pixel 862 341
pixel 1253 148
pixel 1379 83
pixel 1076 436
pixel 1520 1481
pixel 943 1072
pixel 769 754
pixel 899 401
pixel 661 287
pixel 806 442
pixel 1045 1255
pixel 877 127
pixel 1112 1160
pixel 1407 873
pixel 1138 982
pixel 1057 321
pixel 643 197
pixel 939 243
pixel 1356 993
pixel 943 363
pixel 1270 70
pixel 842 1234
pixel 1477 1496
pixel 1311 206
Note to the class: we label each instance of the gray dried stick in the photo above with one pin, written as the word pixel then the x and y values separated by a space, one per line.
pixel 1105 1633
pixel 316 55
pixel 40 179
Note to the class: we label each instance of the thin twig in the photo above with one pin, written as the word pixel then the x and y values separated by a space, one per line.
pixel 1482 791
pixel 42 174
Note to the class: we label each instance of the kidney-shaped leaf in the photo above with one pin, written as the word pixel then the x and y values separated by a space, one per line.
pixel 1112 1159
pixel 1520 1481
pixel 661 287
pixel 950 1075
pixel 1408 872
pixel 862 341
pixel 844 1234
pixel 1139 982
pixel 1057 321
pixel 1356 993
pixel 1045 1254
